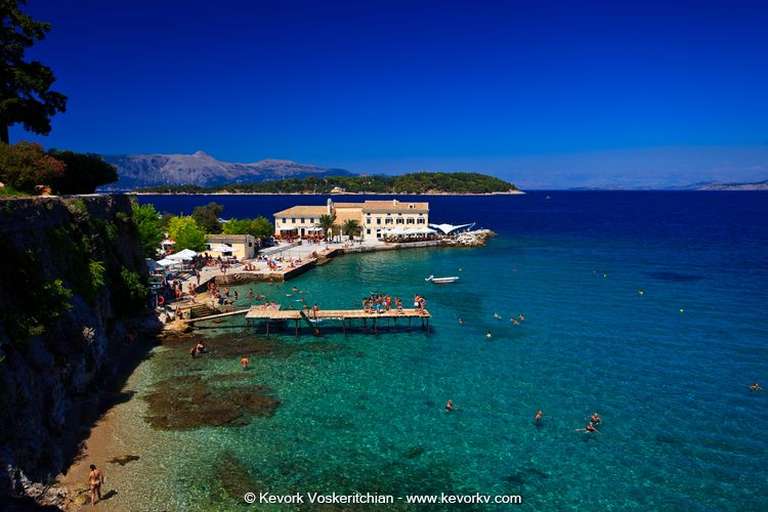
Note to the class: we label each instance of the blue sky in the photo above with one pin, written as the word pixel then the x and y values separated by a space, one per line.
pixel 542 93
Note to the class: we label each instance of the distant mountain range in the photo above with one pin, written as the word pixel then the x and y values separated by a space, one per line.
pixel 201 169
pixel 757 185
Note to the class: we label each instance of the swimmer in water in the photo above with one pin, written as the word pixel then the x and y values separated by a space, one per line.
pixel 521 317
pixel 497 316
pixel 595 419
pixel 244 362
pixel 488 334
pixel 449 406
pixel 755 387
pixel 641 292
pixel 514 321
pixel 538 417
pixel 590 428
pixel 461 321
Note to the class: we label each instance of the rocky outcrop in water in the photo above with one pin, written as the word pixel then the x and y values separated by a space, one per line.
pixel 72 273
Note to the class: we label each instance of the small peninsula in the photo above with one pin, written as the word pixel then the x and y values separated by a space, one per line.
pixel 426 183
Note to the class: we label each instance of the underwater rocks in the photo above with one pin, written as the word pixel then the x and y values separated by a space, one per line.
pixel 191 401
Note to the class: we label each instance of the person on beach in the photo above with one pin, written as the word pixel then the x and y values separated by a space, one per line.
pixel 95 481
pixel 538 417
pixel 244 362
pixel 755 387
pixel 449 406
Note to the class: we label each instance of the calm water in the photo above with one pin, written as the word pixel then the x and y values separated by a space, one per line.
pixel 668 370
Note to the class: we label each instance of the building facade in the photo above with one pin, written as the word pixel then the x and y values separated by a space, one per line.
pixel 375 218
pixel 242 247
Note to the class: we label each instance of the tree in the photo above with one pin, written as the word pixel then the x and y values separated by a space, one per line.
pixel 351 228
pixel 25 165
pixel 25 86
pixel 186 233
pixel 83 172
pixel 326 223
pixel 150 227
pixel 260 227
pixel 207 217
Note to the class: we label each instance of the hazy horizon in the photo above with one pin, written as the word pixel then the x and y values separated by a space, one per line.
pixel 546 96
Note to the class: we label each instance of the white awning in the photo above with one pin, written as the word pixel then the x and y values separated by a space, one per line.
pixel 185 255
pixel 450 228
pixel 222 248
pixel 405 232
pixel 166 262
pixel 289 229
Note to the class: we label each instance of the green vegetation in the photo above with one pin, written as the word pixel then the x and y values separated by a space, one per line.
pixel 186 233
pixel 260 227
pixel 351 228
pixel 37 304
pixel 150 227
pixel 83 172
pixel 413 183
pixel 25 166
pixel 134 293
pixel 25 93
pixel 326 222
pixel 207 217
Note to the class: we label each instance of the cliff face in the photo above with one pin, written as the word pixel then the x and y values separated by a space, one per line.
pixel 71 272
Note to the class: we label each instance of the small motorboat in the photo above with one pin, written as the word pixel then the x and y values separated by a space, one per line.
pixel 442 280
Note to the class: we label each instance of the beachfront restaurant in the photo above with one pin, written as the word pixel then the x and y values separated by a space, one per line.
pixel 375 218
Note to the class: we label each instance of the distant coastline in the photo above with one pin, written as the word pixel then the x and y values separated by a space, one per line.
pixel 221 193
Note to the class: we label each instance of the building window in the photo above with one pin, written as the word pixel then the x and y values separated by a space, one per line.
pixel 368 221
pixel 387 221
pixel 378 220
pixel 293 220
pixel 312 220
pixel 302 220
pixel 285 221
pixel 409 221
pixel 368 231
pixel 400 220
pixel 419 221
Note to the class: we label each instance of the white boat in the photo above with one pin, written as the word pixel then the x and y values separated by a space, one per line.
pixel 442 280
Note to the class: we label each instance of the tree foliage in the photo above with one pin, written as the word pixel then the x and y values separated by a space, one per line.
pixel 25 165
pixel 186 233
pixel 207 217
pixel 83 172
pixel 260 227
pixel 25 86
pixel 351 228
pixel 326 222
pixel 149 225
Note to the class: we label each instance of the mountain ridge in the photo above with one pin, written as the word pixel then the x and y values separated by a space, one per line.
pixel 201 169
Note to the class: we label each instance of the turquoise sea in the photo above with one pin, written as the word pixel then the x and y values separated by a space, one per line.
pixel 668 369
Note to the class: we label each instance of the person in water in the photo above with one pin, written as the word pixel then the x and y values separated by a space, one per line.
pixel 461 321
pixel 590 428
pixel 244 362
pixel 95 481
pixel 449 406
pixel 755 387
pixel 595 419
pixel 488 334
pixel 538 417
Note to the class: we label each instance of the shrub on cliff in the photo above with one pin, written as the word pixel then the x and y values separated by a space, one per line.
pixel 25 165
pixel 83 172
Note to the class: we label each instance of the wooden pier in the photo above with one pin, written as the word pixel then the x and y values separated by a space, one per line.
pixel 316 319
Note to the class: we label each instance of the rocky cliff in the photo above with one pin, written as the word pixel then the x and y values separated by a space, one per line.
pixel 71 275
